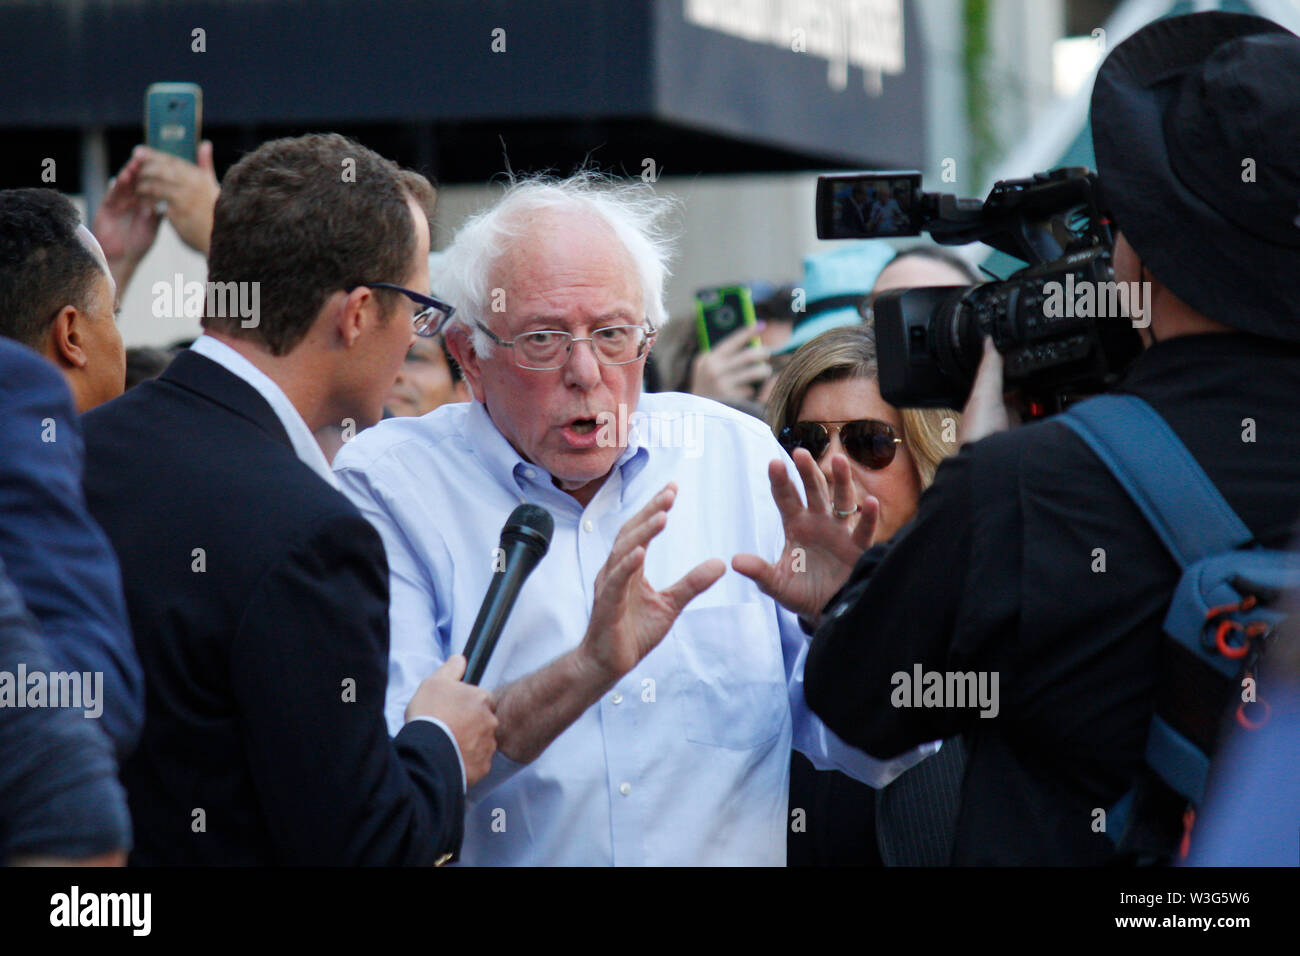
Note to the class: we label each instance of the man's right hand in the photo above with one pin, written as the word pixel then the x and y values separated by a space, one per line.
pixel 466 709
pixel 190 191
pixel 628 617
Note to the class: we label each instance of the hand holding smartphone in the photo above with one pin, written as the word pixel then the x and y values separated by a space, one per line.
pixel 720 312
pixel 173 116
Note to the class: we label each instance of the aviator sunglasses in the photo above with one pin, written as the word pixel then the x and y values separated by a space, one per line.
pixel 870 443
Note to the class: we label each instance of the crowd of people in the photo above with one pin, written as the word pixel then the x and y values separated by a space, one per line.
pixel 263 559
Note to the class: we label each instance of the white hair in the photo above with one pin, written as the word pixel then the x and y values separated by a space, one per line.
pixel 632 211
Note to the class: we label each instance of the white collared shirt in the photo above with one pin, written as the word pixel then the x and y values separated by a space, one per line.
pixel 304 442
pixel 686 760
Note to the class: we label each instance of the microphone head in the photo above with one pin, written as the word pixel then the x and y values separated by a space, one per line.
pixel 532 526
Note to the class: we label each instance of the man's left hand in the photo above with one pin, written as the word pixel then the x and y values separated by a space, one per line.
pixel 822 540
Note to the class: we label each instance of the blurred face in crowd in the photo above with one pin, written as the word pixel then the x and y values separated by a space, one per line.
pixel 897 485
pixel 87 341
pixel 566 272
pixel 424 381
pixel 912 271
pixel 776 333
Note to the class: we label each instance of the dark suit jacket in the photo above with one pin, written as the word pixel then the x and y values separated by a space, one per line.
pixel 259 599
pixel 57 557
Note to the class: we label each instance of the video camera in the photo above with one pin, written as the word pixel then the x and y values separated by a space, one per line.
pixel 1062 324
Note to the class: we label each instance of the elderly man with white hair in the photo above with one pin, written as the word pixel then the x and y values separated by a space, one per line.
pixel 634 730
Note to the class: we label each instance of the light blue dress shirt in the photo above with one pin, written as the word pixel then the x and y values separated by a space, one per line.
pixel 686 760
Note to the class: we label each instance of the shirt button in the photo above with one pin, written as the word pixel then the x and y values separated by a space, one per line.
pixel 625 788
pixel 587 525
pixel 616 698
pixel 530 473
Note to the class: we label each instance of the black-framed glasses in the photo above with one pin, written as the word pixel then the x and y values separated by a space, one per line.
pixel 548 349
pixel 429 321
pixel 871 443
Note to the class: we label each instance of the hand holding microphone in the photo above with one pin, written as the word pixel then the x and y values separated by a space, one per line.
pixel 465 709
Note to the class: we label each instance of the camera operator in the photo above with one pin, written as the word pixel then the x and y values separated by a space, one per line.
pixel 1028 563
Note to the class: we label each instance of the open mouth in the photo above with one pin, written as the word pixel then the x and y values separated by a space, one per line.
pixel 583 426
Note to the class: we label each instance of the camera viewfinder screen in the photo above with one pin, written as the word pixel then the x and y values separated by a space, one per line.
pixel 875 207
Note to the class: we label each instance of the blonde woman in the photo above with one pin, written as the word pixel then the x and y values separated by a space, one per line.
pixel 827 400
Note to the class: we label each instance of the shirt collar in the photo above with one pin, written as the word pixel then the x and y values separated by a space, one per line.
pixel 509 468
pixel 301 438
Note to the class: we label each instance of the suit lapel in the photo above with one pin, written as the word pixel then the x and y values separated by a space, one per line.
pixel 199 374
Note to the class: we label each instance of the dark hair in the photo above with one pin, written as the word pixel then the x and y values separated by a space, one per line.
pixel 304 218
pixel 44 266
pixel 937 254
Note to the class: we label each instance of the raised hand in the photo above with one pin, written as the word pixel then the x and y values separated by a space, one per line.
pixel 732 369
pixel 126 223
pixel 823 540
pixel 190 192
pixel 628 620
pixel 629 617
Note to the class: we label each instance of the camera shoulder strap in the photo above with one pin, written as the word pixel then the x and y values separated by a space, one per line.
pixel 1160 475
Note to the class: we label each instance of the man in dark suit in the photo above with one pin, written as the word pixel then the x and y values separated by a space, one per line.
pixel 56 292
pixel 257 593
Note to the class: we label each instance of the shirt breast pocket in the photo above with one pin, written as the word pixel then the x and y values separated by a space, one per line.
pixel 733 676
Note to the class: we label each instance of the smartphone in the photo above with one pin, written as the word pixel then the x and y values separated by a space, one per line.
pixel 719 312
pixel 869 205
pixel 173 115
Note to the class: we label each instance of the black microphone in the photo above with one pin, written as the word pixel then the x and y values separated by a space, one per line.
pixel 524 541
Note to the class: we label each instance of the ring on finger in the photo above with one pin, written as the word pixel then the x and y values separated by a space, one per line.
pixel 846 514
